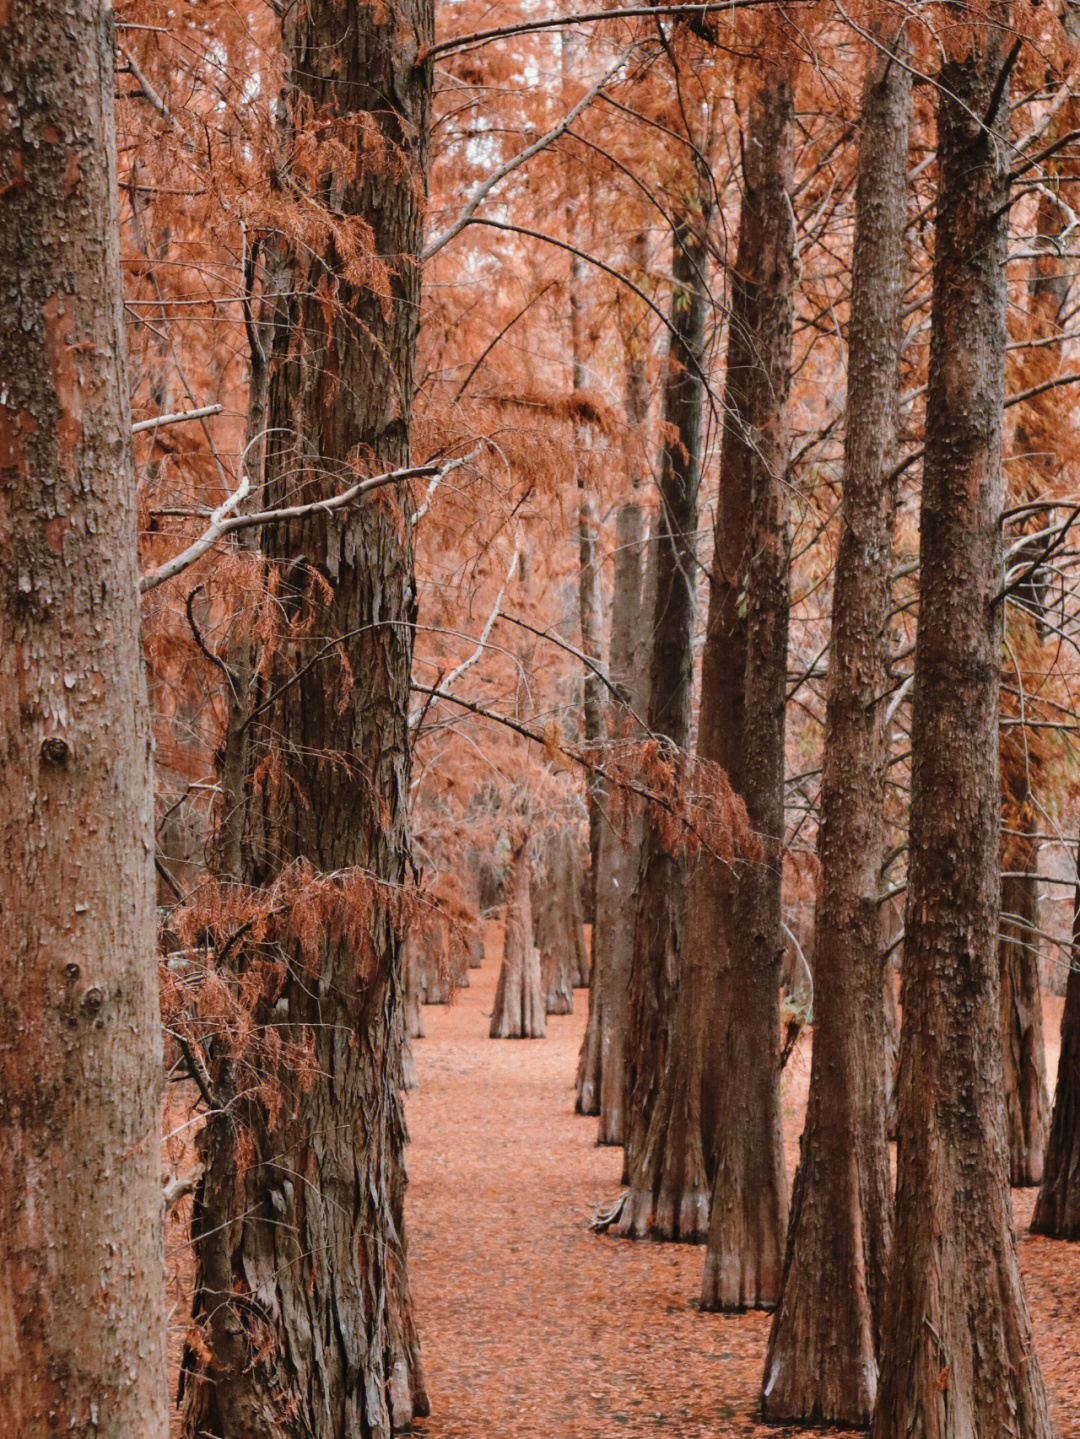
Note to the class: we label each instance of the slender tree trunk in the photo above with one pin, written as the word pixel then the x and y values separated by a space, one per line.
pixel 589 590
pixel 601 1069
pixel 821 1363
pixel 230 850
pixel 1057 1209
pixel 1023 1053
pixel 82 1278
pixel 735 920
pixel 1027 1102
pixel 958 1358
pixel 519 1012
pixel 301 1288
pixel 661 876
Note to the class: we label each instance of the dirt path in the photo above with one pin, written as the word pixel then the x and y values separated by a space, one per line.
pixel 531 1325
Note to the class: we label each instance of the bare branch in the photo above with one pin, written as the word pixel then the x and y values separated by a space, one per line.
pixel 586 17
pixel 481 194
pixel 175 419
pixel 223 522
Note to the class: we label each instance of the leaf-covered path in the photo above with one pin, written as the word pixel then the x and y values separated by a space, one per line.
pixel 533 1326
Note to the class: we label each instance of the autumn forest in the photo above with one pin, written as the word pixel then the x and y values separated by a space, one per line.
pixel 539 711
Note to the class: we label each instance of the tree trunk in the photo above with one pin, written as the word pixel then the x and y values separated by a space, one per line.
pixel 1023 1053
pixel 601 1069
pixel 1057 1209
pixel 958 1359
pixel 735 919
pixel 301 1289
pixel 662 874
pixel 590 604
pixel 558 922
pixel 82 1278
pixel 1039 443
pixel 589 591
pixel 519 1011
pixel 821 1362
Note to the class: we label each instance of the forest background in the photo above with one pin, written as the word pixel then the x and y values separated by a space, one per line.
pixel 618 466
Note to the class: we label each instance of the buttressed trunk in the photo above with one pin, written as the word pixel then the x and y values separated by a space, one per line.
pixel 301 1290
pixel 734 919
pixel 958 1357
pixel 82 1279
pixel 519 1011
pixel 661 874
pixel 821 1364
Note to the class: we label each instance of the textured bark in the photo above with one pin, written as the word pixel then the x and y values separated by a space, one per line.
pixel 958 1359
pixel 415 1025
pixel 735 919
pixel 1057 1209
pixel 552 920
pixel 821 1362
pixel 661 877
pixel 519 1012
pixel 82 1279
pixel 601 1070
pixel 301 1288
pixel 1023 1053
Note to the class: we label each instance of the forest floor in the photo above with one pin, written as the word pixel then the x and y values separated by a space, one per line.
pixel 530 1324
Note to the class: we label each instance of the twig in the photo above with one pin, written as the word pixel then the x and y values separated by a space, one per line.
pixel 176 419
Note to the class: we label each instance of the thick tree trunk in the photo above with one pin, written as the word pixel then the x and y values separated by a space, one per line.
pixel 301 1289
pixel 1023 1052
pixel 661 876
pixel 1057 1209
pixel 82 1278
pixel 519 1011
pixel 735 920
pixel 958 1358
pixel 821 1363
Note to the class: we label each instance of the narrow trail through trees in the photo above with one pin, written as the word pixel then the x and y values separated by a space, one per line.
pixel 530 1325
